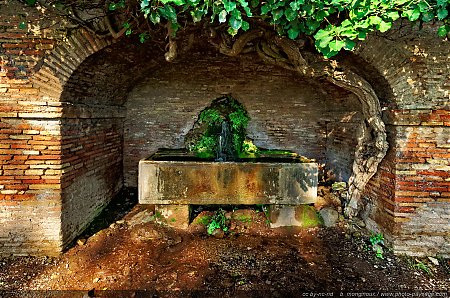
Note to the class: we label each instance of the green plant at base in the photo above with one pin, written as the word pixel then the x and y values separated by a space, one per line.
pixel 218 221
pixel 418 265
pixel 377 240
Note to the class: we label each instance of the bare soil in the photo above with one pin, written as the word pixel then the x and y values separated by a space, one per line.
pixel 129 254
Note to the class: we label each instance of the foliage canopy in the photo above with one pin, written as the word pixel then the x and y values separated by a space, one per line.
pixel 333 24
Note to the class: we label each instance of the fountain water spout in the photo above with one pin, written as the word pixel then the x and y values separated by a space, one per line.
pixel 223 143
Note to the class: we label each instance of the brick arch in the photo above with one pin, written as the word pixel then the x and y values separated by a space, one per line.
pixel 390 60
pixel 53 71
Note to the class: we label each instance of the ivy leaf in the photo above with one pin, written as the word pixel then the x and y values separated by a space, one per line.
pixel 290 14
pixel 143 37
pixel 384 26
pixel 169 13
pixel 245 26
pixel 412 14
pixel 442 13
pixel 423 6
pixel 375 20
pixel 293 33
pixel 223 16
pixel 323 43
pixel 155 18
pixel 428 16
pixel 265 9
pixel 277 14
pixel 393 15
pixel 144 4
pixel 197 15
pixel 235 23
pixel 443 30
pixel 349 44
pixel 336 45
pixel 229 5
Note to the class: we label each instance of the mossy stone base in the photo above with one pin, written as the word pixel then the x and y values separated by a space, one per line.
pixel 304 216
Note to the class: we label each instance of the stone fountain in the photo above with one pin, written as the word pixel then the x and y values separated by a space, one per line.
pixel 220 165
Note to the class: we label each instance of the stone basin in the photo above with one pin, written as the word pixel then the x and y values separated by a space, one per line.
pixel 274 181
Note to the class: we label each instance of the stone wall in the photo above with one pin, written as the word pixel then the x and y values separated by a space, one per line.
pixel 287 111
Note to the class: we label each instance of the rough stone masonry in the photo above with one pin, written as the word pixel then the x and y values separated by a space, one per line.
pixel 78 111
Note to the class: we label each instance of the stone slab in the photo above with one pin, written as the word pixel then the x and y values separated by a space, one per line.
pixel 204 183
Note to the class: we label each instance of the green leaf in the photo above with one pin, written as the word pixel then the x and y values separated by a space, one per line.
pixel 290 14
pixel 235 23
pixel 423 6
pixel 144 4
pixel 126 25
pixel 393 15
pixel 362 35
pixel 128 32
pixel 169 13
pixel 323 43
pixel 248 12
pixel 265 9
pixel 277 14
pixel 229 5
pixel 336 45
pixel 442 13
pixel 223 16
pixel 427 16
pixel 293 33
pixel 245 25
pixel 22 25
pixel 197 15
pixel 375 20
pixel 155 18
pixel 412 14
pixel 112 6
pixel 443 30
pixel 384 26
pixel 143 37
pixel 349 44
pixel 31 2
pixel 294 5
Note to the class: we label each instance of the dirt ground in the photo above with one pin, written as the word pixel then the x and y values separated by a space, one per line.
pixel 128 250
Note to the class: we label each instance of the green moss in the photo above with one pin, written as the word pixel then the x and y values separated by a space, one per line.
pixel 203 220
pixel 277 152
pixel 243 218
pixel 308 216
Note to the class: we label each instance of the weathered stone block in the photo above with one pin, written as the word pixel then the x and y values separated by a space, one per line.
pixel 179 182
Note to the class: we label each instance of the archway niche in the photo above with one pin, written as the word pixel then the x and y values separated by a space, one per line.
pixel 124 102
